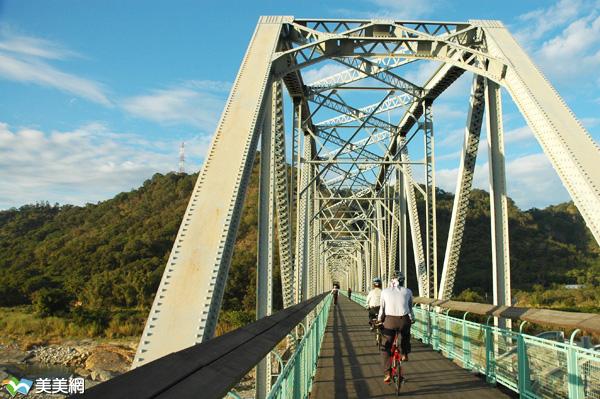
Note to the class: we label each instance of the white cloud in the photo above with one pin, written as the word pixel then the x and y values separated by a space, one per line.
pixel 449 112
pixel 406 9
pixel 32 71
pixel 422 71
pixel 564 39
pixel 543 20
pixel 87 164
pixel 23 59
pixel 452 138
pixel 313 75
pixel 590 122
pixel 394 9
pixel 33 46
pixel 575 51
pixel 519 134
pixel 194 103
pixel 531 181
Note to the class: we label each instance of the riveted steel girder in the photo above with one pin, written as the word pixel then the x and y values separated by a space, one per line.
pixel 464 183
pixel 188 300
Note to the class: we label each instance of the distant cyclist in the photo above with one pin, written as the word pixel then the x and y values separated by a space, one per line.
pixel 397 316
pixel 374 300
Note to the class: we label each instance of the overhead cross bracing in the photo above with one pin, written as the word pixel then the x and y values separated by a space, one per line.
pixel 347 140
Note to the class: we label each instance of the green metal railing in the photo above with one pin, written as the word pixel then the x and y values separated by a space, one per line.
pixel 531 366
pixel 295 380
pixel 357 297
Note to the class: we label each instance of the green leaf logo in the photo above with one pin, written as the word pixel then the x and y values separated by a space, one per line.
pixel 14 385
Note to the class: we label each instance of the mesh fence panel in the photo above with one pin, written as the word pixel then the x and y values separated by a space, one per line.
pixel 506 362
pixel 547 363
pixel 442 332
pixel 476 338
pixel 457 339
pixel 588 366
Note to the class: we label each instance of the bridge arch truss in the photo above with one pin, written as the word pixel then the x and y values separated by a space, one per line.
pixel 339 192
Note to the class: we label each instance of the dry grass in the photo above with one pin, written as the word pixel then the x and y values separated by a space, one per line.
pixel 20 324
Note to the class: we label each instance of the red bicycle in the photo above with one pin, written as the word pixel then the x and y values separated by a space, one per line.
pixel 396 373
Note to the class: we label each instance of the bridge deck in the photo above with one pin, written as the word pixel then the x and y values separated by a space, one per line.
pixel 349 365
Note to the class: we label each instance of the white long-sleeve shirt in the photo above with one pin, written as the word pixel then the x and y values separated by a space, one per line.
pixel 374 298
pixel 396 301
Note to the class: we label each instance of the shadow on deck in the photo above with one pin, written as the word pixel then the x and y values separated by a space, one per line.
pixel 350 366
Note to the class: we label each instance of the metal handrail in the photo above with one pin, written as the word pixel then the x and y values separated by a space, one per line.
pixel 532 366
pixel 295 381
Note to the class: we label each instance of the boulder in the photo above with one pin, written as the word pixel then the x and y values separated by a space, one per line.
pixel 102 375
pixel 105 359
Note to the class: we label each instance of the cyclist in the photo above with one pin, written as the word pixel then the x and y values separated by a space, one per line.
pixel 397 316
pixel 373 301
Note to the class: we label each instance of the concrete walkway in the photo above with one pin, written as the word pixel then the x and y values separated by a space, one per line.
pixel 350 365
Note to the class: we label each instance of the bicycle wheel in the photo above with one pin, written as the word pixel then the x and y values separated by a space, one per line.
pixel 398 380
pixel 396 374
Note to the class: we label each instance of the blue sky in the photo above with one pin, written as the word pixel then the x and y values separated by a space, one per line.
pixel 97 95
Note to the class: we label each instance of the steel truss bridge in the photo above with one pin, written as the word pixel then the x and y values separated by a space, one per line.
pixel 338 188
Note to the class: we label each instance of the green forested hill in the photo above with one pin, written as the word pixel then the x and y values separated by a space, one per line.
pixel 85 262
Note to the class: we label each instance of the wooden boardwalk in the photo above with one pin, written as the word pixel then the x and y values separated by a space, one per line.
pixel 350 365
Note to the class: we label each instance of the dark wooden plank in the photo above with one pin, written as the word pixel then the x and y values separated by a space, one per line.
pixel 190 373
pixel 588 322
pixel 349 365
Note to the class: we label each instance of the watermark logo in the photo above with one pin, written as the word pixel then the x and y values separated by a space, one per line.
pixel 64 386
pixel 60 385
pixel 13 385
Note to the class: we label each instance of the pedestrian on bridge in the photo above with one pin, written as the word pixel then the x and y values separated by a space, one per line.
pixel 349 293
pixel 397 316
pixel 334 292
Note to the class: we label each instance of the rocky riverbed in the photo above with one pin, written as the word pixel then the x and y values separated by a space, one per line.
pixel 94 361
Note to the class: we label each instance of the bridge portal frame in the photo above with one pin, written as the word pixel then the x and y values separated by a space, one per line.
pixel 347 234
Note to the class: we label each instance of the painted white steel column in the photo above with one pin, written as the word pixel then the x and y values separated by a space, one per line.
pixel 403 250
pixel 264 271
pixel 498 204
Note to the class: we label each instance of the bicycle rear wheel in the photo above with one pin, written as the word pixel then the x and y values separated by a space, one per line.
pixel 399 379
pixel 396 376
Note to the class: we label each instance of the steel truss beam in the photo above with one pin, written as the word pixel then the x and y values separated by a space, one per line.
pixel 359 42
pixel 351 75
pixel 187 304
pixel 430 199
pixel 303 222
pixel 266 230
pixel 569 147
pixel 464 183
pixel 415 228
pixel 280 169
pixel 392 103
pixel 356 114
pixel 498 202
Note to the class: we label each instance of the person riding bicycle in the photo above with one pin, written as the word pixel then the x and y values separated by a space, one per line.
pixel 397 316
pixel 373 301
